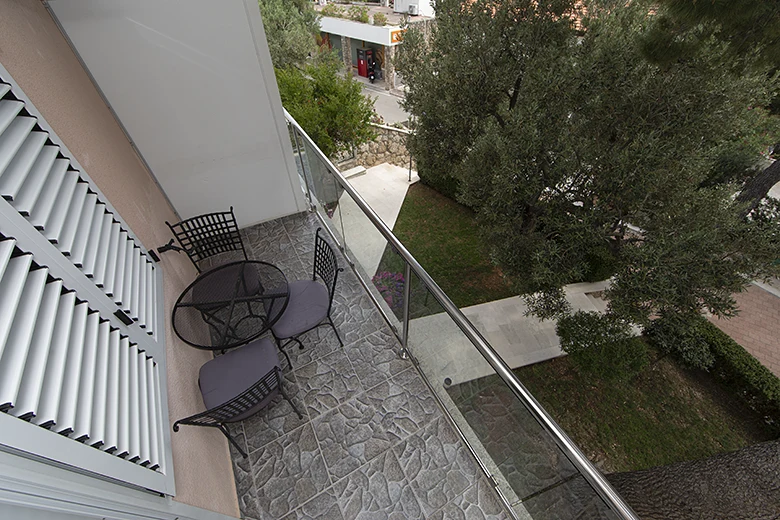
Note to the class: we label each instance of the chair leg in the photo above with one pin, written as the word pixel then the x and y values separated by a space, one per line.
pixel 284 394
pixel 281 346
pixel 232 440
pixel 335 331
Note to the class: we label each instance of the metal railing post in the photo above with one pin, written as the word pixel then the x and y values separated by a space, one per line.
pixel 407 304
pixel 299 147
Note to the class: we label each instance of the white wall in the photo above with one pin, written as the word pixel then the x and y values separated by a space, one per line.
pixel 357 31
pixel 425 7
pixel 192 82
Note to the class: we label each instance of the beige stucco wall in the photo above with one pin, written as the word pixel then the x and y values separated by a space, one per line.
pixel 35 53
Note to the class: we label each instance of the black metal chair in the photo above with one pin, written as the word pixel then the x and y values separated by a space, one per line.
pixel 237 385
pixel 205 236
pixel 310 301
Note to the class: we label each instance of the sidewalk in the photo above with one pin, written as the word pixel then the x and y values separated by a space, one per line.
pixel 384 188
pixel 757 327
pixel 519 339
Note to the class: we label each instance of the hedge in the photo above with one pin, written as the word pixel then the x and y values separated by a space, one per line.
pixel 739 369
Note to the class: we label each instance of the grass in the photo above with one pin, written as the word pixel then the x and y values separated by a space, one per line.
pixel 443 236
pixel 665 415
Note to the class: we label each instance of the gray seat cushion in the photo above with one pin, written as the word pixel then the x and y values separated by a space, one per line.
pixel 307 307
pixel 229 375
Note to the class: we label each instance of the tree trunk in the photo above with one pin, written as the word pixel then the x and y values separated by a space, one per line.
pixel 757 187
pixel 744 484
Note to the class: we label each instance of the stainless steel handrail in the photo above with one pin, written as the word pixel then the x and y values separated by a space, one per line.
pixel 591 474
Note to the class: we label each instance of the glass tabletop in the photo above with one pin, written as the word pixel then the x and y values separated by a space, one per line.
pixel 230 305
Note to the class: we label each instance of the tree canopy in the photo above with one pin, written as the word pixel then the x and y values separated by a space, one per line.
pixel 577 152
pixel 331 107
pixel 290 27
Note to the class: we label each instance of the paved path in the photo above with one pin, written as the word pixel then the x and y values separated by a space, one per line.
pixel 757 327
pixel 520 340
pixel 384 189
pixel 386 103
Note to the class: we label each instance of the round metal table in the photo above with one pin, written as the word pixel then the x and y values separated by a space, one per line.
pixel 230 305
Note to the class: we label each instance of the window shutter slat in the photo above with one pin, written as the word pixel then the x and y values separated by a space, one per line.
pixel 55 364
pixel 35 366
pixel 59 212
pixel 20 336
pixel 84 327
pixel 50 192
pixel 33 185
pixel 11 289
pixel 17 171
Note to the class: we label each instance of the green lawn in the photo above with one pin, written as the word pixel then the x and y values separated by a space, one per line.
pixel 665 415
pixel 443 236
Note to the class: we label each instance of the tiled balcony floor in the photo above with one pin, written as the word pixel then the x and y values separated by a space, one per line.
pixel 373 442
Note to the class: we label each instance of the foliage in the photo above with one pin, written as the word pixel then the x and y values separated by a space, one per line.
pixel 569 145
pixel 662 416
pixel 681 335
pixel 444 237
pixel 391 286
pixel 749 26
pixel 358 13
pixel 331 108
pixel 730 362
pixel 290 28
pixel 601 345
pixel 332 11
pixel 380 19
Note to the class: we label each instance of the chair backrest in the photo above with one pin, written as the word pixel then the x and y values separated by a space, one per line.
pixel 325 265
pixel 239 405
pixel 207 235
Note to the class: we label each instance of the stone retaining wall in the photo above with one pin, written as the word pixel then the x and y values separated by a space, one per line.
pixel 388 147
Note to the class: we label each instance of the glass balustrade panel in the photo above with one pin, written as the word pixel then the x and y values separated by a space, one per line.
pixel 515 448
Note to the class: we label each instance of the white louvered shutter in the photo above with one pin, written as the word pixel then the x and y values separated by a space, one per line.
pixel 80 348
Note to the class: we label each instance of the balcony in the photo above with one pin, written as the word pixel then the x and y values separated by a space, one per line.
pixel 395 424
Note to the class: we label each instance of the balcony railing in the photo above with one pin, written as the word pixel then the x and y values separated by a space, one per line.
pixel 536 468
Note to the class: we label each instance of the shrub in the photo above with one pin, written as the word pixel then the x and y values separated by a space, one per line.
pixel 681 336
pixel 734 366
pixel 359 13
pixel 380 19
pixel 332 11
pixel 601 345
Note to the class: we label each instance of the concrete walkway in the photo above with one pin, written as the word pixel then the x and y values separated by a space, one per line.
pixel 384 188
pixel 443 349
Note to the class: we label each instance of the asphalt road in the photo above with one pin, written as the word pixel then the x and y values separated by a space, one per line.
pixel 385 104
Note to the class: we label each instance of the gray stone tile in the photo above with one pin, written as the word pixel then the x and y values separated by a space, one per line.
pixel 321 507
pixel 376 358
pixel 345 463
pixel 288 472
pixel 437 463
pixel 377 490
pixel 404 402
pixel 355 316
pixel 317 343
pixel 293 268
pixel 277 419
pixel 479 502
pixel 327 382
pixel 353 434
pixel 525 454
pixel 245 485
